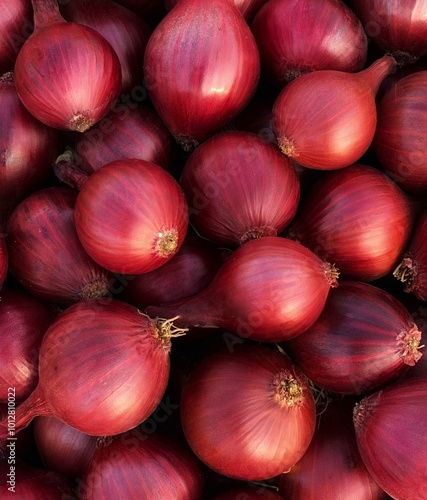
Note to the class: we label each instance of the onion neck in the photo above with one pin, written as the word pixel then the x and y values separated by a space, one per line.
pixel 68 172
pixel 331 273
pixel 409 345
pixel 377 71
pixel 288 391
pixel 407 272
pixel 165 330
pixel 364 409
pixel 46 12
pixel 7 78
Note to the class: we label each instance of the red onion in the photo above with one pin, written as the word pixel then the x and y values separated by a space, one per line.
pixel 412 269
pixel 127 33
pixel 326 119
pixel 332 466
pixel 239 188
pixel 247 413
pixel 248 493
pixel 62 448
pixel 103 368
pixel 357 218
pixel 137 465
pixel 400 146
pixel 131 216
pixel 45 253
pixel 27 148
pixel 289 46
pixel 23 323
pixel 270 289
pixel 396 26
pixel 66 74
pixel 4 262
pixel 391 432
pixel 201 68
pixel 364 339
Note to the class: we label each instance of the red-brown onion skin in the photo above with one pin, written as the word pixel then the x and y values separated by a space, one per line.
pixel 124 211
pixel 24 320
pixel 126 132
pixel 296 37
pixel 326 119
pixel 127 33
pixel 232 416
pixel 270 289
pixel 62 448
pixel 332 466
pixel 27 149
pixel 391 434
pixel 148 466
pixel 400 142
pixel 4 261
pixel 201 68
pixel 239 188
pixel 396 26
pixel 45 253
pixel 248 493
pixel 364 339
pixel 357 218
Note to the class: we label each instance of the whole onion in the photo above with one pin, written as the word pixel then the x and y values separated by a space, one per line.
pixel 201 67
pixel 326 119
pixel 391 433
pixel 247 412
pixel 239 188
pixel 66 74
pixel 296 37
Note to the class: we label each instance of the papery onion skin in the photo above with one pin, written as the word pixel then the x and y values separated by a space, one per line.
pixel 270 289
pixel 364 339
pixel 45 253
pixel 391 433
pixel 289 45
pixel 357 218
pixel 247 414
pixel 400 142
pixel 138 465
pixel 239 188
pixel 131 216
pixel 326 119
pixel 201 67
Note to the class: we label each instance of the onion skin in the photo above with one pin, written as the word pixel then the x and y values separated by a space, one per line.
pixel 357 218
pixel 364 339
pixel 239 188
pixel 45 253
pixel 247 414
pixel 326 119
pixel 131 216
pixel 290 47
pixel 201 67
pixel 391 436
pixel 270 289
pixel 137 465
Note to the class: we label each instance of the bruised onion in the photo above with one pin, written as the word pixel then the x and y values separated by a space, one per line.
pixel 239 188
pixel 269 289
pixel 289 45
pixel 364 339
pixel 66 74
pixel 45 253
pixel 131 216
pixel 326 119
pixel 391 433
pixel 357 218
pixel 247 413
pixel 201 68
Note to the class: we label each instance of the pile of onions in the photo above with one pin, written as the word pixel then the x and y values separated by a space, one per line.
pixel 131 216
pixel 357 218
pixel 290 47
pixel 138 465
pixel 45 253
pixel 270 289
pixel 103 368
pixel 66 74
pixel 391 433
pixel 326 119
pixel 239 188
pixel 364 339
pixel 201 68
pixel 247 413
